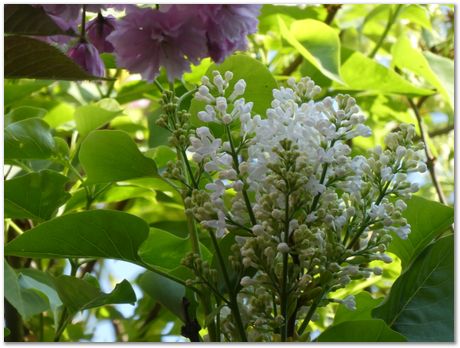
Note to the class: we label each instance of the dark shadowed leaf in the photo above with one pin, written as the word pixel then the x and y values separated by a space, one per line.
pixel 30 58
pixel 27 302
pixel 31 278
pixel 165 250
pixel 78 294
pixel 166 291
pixel 421 301
pixel 29 20
pixel 27 139
pixel 372 330
pixel 35 195
pixel 428 219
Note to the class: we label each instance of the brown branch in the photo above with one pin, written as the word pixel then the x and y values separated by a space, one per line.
pixel 441 131
pixel 430 159
pixel 331 12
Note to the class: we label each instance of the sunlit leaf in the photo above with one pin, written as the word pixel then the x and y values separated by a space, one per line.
pixel 109 155
pixel 95 233
pixel 317 42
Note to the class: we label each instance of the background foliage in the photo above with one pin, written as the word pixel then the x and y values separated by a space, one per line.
pixel 85 157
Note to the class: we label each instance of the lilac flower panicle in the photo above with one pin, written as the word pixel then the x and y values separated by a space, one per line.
pixel 97 31
pixel 146 39
pixel 87 56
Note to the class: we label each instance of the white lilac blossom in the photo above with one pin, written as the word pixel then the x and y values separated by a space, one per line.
pixel 313 215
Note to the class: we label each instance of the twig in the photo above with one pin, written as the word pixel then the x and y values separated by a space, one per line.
pixel 441 131
pixel 430 160
pixel 391 19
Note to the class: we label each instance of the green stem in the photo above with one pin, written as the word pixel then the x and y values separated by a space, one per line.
pixel 83 24
pixel 310 313
pixel 391 19
pixel 429 157
pixel 112 84
pixel 233 300
pixel 367 220
pixel 63 322
pixel 193 233
pixel 284 285
pixel 237 169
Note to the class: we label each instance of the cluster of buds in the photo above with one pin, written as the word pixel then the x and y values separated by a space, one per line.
pixel 307 215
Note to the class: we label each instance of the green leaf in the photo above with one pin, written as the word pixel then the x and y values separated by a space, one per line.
pixel 78 294
pixel 29 138
pixel 428 219
pixel 16 91
pixel 405 56
pixel 109 60
pixel 109 155
pixel 260 82
pixel 421 301
pixel 161 155
pixel 317 42
pixel 35 195
pixel 6 332
pixel 29 58
pixel 157 135
pixel 96 233
pixel 364 305
pixel 27 302
pixel 134 90
pixel 24 112
pixel 166 291
pixel 31 278
pixel 165 250
pixel 444 69
pixel 29 20
pixel 361 73
pixel 92 116
pixel 225 247
pixel 60 114
pixel 416 14
pixel 361 331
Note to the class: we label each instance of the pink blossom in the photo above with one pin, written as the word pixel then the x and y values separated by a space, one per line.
pixel 87 56
pixel 65 16
pixel 146 39
pixel 97 31
pixel 227 26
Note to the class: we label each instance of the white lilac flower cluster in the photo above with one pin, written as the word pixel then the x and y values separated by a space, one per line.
pixel 309 215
